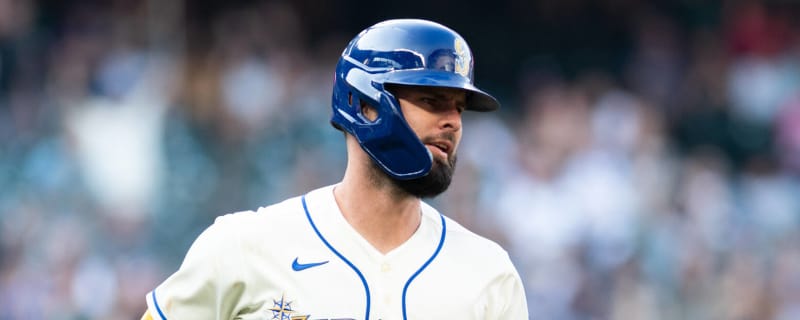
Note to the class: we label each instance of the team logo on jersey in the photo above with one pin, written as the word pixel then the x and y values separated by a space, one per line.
pixel 282 310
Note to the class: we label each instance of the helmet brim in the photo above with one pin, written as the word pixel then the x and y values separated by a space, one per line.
pixel 478 100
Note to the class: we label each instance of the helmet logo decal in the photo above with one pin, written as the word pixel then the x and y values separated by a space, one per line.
pixel 462 62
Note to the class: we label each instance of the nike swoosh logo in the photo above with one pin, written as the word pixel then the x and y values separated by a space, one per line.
pixel 296 266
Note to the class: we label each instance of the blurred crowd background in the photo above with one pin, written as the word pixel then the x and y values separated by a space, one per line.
pixel 645 164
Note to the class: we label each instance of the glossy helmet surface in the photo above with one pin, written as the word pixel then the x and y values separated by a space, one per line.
pixel 403 52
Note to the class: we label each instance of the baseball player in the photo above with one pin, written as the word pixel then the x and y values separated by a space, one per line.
pixel 367 247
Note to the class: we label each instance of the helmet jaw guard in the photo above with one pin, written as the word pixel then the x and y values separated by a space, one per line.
pixel 388 140
pixel 403 52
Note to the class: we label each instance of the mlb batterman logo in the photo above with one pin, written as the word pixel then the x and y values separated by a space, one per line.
pixel 463 59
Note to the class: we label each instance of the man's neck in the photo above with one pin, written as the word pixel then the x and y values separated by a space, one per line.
pixel 384 216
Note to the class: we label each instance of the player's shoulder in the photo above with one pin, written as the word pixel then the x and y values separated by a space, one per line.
pixel 270 219
pixel 279 210
pixel 263 221
pixel 468 243
pixel 465 247
pixel 460 234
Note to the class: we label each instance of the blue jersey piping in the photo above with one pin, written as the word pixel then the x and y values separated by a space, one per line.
pixel 155 302
pixel 358 272
pixel 435 253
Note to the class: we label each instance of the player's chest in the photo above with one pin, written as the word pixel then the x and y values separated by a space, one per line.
pixel 326 286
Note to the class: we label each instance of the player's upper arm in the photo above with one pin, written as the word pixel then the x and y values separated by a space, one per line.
pixel 517 307
pixel 205 286
pixel 507 296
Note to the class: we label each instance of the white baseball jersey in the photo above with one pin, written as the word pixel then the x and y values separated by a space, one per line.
pixel 300 259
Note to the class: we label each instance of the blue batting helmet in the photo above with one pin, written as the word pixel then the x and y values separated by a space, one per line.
pixel 403 52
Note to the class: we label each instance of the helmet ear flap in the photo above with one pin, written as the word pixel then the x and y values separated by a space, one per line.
pixel 379 126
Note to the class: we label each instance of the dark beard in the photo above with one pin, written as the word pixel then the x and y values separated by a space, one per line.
pixel 432 184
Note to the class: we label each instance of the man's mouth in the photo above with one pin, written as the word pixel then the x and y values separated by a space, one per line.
pixel 443 146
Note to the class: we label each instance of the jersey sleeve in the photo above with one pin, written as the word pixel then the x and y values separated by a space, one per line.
pixel 204 287
pixel 507 296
